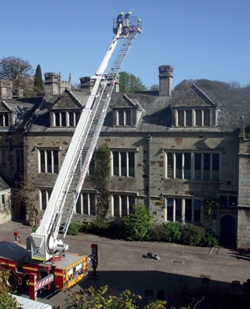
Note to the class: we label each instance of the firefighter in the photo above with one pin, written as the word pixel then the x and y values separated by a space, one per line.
pixel 119 20
pixel 126 22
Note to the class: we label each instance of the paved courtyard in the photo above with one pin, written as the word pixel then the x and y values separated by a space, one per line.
pixel 121 266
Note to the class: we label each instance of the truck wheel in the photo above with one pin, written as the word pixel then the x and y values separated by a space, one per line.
pixel 12 282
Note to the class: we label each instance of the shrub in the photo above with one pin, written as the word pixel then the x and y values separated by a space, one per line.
pixel 192 235
pixel 74 227
pixel 137 225
pixel 173 232
pixel 209 240
pixel 157 232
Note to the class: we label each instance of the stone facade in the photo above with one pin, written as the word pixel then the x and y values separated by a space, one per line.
pixel 169 150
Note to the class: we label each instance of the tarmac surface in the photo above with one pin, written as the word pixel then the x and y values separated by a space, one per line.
pixel 122 266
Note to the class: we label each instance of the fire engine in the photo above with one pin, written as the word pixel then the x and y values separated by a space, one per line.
pixel 44 263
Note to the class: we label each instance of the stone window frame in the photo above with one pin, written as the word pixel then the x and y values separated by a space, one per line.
pixel 194 117
pixel 123 117
pixel 207 168
pixel 50 158
pixel 65 118
pixel 120 204
pixel 44 195
pixel 4 120
pixel 123 162
pixel 86 204
pixel 175 209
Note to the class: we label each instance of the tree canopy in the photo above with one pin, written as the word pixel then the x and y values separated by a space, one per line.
pixel 207 84
pixel 19 72
pixel 130 83
pixel 38 80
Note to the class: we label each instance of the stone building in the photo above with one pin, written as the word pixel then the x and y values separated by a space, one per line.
pixel 170 150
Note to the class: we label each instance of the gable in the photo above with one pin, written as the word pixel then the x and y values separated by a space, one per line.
pixel 194 97
pixel 66 101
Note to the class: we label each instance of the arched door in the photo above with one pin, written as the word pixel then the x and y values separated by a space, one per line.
pixel 228 231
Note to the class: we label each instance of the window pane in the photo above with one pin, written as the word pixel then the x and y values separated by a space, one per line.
pixel 180 118
pixel 206 166
pixel 121 118
pixel 170 209
pixel 197 211
pixel 128 118
pixel 198 115
pixel 115 163
pixel 170 169
pixel 49 167
pixel 85 203
pixel 57 119
pixel 56 165
pixel 123 163
pixel 187 165
pixel 189 118
pixel 63 115
pixel 178 165
pixel 124 205
pixel 188 211
pixel 71 119
pixel 116 206
pixel 92 204
pixel 131 164
pixel 178 210
pixel 206 117
pixel 42 161
pixel 197 166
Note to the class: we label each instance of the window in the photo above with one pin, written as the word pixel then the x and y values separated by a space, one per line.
pixel 66 118
pixel 187 165
pixel 2 201
pixel 123 117
pixel 123 163
pixel 4 120
pixel 193 117
pixel 44 198
pixel 121 205
pixel 86 204
pixel 228 200
pixel 48 161
pixel 183 210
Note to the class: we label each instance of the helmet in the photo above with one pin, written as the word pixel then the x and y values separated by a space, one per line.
pixel 129 13
pixel 122 13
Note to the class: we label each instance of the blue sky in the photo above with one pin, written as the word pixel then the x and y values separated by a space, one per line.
pixel 199 38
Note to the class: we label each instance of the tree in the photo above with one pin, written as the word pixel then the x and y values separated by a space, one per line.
pixel 6 300
pixel 25 196
pixel 16 70
pixel 130 83
pixel 138 223
pixel 38 80
pixel 205 84
pixel 101 180
pixel 93 299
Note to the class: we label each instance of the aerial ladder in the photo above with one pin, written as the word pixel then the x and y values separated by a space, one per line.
pixel 45 243
pixel 45 263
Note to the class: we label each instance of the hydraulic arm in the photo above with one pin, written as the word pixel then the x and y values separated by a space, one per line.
pixel 57 216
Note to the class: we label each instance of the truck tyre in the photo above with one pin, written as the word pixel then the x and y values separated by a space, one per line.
pixel 12 282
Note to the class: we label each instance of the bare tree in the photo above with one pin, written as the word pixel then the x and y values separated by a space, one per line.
pixel 16 70
pixel 25 195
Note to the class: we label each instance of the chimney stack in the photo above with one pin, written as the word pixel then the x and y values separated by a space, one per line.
pixel 165 80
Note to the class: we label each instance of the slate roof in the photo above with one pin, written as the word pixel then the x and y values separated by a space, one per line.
pixel 22 108
pixel 156 111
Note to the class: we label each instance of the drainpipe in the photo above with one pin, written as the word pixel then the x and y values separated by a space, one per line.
pixel 149 140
